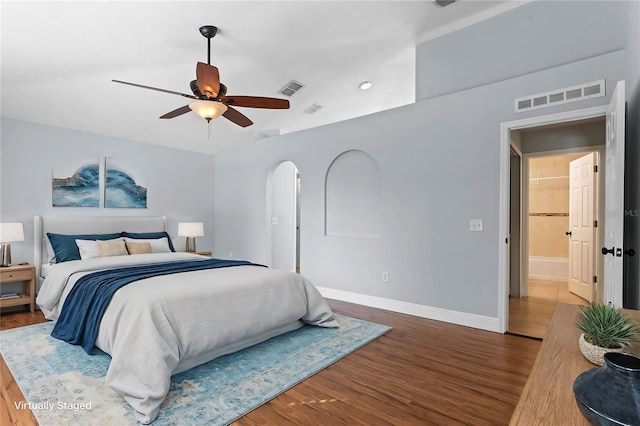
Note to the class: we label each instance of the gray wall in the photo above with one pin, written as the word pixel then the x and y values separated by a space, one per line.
pixel 568 136
pixel 180 183
pixel 528 39
pixel 439 168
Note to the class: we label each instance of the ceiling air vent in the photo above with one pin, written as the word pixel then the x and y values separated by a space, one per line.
pixel 442 3
pixel 561 96
pixel 313 108
pixel 291 88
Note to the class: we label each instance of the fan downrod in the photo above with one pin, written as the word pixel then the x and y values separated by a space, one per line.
pixel 208 31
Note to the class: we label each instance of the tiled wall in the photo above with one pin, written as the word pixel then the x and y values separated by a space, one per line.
pixel 549 194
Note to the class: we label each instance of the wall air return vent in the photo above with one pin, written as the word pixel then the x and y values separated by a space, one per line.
pixel 291 88
pixel 313 108
pixel 561 96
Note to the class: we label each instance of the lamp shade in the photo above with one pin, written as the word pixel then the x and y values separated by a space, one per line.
pixel 11 232
pixel 208 109
pixel 190 229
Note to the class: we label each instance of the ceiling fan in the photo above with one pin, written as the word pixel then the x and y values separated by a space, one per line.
pixel 211 100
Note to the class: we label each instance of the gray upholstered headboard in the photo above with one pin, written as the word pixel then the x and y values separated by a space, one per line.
pixel 87 225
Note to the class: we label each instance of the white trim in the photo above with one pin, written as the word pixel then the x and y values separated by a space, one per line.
pixel 549 268
pixel 423 311
pixel 503 212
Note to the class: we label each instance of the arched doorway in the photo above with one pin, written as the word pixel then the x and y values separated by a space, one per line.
pixel 283 216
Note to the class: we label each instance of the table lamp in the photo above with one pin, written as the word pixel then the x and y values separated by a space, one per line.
pixel 191 230
pixel 9 232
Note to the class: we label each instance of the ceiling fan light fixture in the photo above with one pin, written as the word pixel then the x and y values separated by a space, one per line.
pixel 208 110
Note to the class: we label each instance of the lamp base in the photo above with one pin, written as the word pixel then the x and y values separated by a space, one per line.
pixel 5 255
pixel 191 244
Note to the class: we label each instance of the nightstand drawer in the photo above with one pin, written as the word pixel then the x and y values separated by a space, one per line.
pixel 11 276
pixel 25 273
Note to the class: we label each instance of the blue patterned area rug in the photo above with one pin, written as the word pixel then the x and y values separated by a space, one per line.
pixel 64 385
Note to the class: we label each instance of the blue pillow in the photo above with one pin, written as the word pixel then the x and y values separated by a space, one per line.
pixel 65 248
pixel 148 236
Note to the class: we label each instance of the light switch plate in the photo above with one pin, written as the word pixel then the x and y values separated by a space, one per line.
pixel 476 225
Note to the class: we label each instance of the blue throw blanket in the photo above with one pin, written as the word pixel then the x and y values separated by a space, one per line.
pixel 87 301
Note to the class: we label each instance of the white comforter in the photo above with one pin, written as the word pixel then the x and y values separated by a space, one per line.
pixel 160 326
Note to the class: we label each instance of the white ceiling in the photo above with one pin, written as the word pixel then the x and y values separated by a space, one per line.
pixel 58 60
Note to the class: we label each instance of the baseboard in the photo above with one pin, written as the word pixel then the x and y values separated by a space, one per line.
pixel 549 268
pixel 438 314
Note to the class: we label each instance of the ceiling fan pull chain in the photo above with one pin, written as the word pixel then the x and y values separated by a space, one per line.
pixel 209 131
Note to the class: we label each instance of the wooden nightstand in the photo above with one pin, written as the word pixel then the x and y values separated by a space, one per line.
pixel 204 253
pixel 17 273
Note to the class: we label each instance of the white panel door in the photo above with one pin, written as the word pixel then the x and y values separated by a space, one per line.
pixel 614 197
pixel 582 213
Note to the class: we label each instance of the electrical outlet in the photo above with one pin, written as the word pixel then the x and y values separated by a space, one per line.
pixel 385 277
pixel 476 225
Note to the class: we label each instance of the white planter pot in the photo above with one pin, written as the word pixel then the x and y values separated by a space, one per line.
pixel 595 353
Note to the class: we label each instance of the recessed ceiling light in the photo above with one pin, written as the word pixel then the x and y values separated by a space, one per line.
pixel 365 85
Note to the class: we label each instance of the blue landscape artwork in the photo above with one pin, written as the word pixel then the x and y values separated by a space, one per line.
pixel 82 189
pixel 121 190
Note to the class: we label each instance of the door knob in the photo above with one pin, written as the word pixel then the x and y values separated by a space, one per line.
pixel 568 233
pixel 606 251
pixel 631 252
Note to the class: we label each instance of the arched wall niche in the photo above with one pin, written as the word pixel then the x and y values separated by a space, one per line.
pixel 352 196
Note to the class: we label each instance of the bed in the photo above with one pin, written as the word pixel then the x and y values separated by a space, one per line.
pixel 160 325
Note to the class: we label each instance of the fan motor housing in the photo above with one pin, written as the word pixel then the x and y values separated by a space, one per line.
pixel 208 31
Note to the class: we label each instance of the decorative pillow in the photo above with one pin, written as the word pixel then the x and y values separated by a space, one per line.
pixel 112 248
pixel 89 248
pixel 149 235
pixel 158 245
pixel 65 248
pixel 138 248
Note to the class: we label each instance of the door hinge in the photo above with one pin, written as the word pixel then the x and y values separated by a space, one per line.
pixel 595 223
pixel 595 279
pixel 595 168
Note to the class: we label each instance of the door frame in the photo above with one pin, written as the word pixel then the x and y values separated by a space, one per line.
pixel 503 212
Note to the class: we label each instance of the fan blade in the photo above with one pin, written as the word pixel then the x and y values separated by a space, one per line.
pixel 256 102
pixel 156 89
pixel 177 112
pixel 237 117
pixel 208 79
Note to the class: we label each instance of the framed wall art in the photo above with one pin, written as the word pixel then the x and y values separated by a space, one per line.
pixel 78 186
pixel 123 189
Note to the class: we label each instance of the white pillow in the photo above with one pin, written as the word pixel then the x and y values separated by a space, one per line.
pixel 89 248
pixel 51 255
pixel 158 245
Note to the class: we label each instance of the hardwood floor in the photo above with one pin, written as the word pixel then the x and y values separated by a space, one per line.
pixel 531 316
pixel 421 372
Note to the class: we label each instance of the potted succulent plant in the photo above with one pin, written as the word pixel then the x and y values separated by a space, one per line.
pixel 605 328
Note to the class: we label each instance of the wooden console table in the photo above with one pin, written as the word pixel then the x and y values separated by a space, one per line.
pixel 547 398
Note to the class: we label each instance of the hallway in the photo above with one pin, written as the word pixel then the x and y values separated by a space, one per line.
pixel 530 316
